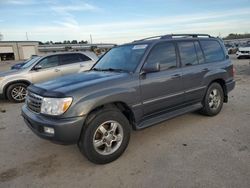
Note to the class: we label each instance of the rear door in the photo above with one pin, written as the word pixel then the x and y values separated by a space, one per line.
pixel 209 53
pixel 164 89
pixel 74 63
pixel 69 63
pixel 86 62
pixel 48 69
pixel 193 70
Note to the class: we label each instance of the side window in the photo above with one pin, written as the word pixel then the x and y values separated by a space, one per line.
pixel 49 62
pixel 187 53
pixel 84 57
pixel 212 50
pixel 199 52
pixel 164 54
pixel 69 58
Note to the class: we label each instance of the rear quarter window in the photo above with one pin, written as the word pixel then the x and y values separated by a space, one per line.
pixel 212 50
pixel 84 57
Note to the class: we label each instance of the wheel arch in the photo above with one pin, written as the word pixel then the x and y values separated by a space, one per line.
pixel 14 82
pixel 121 106
pixel 223 86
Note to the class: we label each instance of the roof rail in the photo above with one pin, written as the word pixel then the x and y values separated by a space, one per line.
pixel 170 36
pixel 159 36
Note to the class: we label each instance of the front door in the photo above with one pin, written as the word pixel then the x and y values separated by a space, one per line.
pixel 46 69
pixel 164 89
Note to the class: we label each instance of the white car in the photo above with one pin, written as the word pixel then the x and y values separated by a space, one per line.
pixel 13 83
pixel 243 51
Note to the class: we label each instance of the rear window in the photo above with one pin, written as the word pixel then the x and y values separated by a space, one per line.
pixel 212 51
pixel 188 53
pixel 70 58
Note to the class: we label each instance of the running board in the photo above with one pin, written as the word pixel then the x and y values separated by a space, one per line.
pixel 169 115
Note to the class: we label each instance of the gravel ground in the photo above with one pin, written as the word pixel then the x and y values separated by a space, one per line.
pixel 189 151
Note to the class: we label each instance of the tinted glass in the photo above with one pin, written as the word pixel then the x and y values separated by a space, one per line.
pixel 199 52
pixel 84 57
pixel 69 58
pixel 123 57
pixel 49 62
pixel 164 54
pixel 212 50
pixel 187 53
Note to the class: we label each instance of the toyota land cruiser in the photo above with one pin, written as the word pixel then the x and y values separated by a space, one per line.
pixel 133 86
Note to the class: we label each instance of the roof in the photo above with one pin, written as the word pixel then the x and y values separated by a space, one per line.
pixel 150 40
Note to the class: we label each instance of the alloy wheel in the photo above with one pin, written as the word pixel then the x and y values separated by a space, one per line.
pixel 108 137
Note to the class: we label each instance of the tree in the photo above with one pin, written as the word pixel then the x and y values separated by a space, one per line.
pixel 237 36
pixel 74 42
pixel 83 42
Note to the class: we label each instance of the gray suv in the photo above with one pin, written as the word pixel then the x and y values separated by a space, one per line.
pixel 13 83
pixel 133 86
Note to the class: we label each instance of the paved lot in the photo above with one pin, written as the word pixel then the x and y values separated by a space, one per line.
pixel 189 151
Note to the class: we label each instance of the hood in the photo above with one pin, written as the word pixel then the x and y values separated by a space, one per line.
pixel 244 48
pixel 10 72
pixel 60 86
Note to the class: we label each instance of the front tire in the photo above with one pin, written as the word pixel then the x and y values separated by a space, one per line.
pixel 213 100
pixel 17 92
pixel 105 137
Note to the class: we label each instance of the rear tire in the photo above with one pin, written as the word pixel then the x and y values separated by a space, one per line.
pixel 213 100
pixel 105 137
pixel 17 92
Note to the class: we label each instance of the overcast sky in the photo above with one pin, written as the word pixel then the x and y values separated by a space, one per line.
pixel 119 21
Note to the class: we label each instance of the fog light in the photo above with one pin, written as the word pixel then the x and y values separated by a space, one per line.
pixel 49 130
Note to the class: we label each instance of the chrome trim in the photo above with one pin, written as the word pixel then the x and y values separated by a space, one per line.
pixel 136 105
pixel 161 98
pixel 195 89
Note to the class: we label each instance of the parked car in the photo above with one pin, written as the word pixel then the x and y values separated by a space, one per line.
pixel 231 48
pixel 133 86
pixel 22 63
pixel 13 83
pixel 243 51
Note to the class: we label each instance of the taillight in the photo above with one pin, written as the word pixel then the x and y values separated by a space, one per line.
pixel 233 71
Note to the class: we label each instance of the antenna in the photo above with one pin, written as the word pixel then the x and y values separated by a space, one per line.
pixel 90 39
pixel 27 36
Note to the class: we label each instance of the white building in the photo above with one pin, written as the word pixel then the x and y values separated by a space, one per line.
pixel 21 50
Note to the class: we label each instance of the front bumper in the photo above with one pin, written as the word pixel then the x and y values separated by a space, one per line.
pixel 240 54
pixel 67 130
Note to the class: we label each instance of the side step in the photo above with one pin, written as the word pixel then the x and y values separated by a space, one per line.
pixel 163 117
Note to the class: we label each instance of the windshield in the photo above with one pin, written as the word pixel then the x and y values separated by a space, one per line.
pixel 30 62
pixel 122 58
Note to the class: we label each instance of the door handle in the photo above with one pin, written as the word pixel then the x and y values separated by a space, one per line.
pixel 176 76
pixel 57 70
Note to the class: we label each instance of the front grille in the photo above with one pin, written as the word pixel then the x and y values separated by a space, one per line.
pixel 244 52
pixel 34 102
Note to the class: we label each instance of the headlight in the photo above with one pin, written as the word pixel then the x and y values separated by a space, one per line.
pixel 55 106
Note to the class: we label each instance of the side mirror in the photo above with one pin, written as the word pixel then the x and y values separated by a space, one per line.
pixel 151 68
pixel 37 67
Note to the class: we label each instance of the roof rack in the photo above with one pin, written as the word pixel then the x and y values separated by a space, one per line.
pixel 170 36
